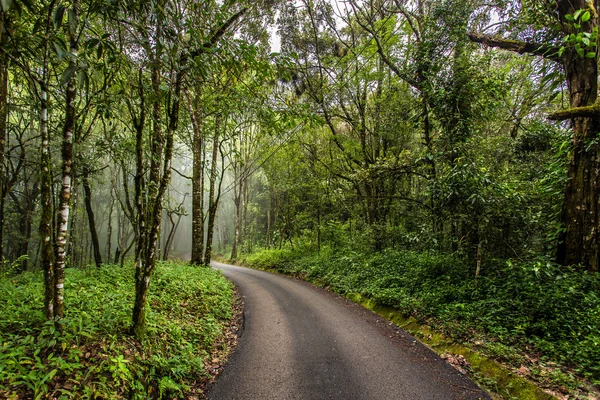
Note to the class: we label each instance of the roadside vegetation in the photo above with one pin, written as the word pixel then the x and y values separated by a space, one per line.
pixel 189 309
pixel 539 318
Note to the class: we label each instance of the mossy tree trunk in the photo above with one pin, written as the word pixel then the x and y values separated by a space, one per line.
pixel 579 243
pixel 214 193
pixel 198 216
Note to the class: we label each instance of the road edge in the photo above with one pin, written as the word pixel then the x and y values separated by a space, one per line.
pixel 497 379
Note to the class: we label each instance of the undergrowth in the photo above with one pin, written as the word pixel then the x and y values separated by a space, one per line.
pixel 533 315
pixel 95 357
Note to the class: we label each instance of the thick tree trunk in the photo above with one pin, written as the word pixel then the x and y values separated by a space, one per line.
pixel 213 201
pixel 91 217
pixel 580 243
pixel 197 185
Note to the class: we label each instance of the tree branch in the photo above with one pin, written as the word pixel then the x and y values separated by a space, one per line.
pixel 181 174
pixel 216 36
pixel 536 49
pixel 592 111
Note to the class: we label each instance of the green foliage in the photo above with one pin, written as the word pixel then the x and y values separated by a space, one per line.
pixel 584 43
pixel 532 307
pixel 95 357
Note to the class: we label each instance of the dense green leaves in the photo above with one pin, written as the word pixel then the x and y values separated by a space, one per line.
pixel 92 357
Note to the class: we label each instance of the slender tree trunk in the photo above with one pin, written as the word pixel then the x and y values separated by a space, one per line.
pixel 91 217
pixel 161 150
pixel 244 210
pixel 268 234
pixel 3 122
pixel 45 228
pixel 212 197
pixel 28 220
pixel 197 185
pixel 67 163
pixel 110 226
pixel 237 193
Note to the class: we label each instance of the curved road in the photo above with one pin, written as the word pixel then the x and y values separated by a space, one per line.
pixel 302 342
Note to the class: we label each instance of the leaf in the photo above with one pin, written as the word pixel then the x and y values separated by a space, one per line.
pixel 6 4
pixel 569 17
pixel 585 41
pixel 581 52
pixel 577 14
pixel 591 54
pixel 72 22
pixel 92 43
pixel 586 16
pixel 59 51
pixel 67 74
pixel 59 13
pixel 577 26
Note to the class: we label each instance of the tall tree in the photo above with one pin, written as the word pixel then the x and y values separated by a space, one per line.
pixel 578 22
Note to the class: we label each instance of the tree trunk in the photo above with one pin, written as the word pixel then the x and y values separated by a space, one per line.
pixel 91 218
pixel 45 228
pixel 212 197
pixel 67 163
pixel 244 210
pixel 28 210
pixel 580 242
pixel 268 234
pixel 110 226
pixel 150 215
pixel 197 185
pixel 3 122
pixel 237 193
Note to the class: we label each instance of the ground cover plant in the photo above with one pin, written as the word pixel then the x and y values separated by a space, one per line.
pixel 533 315
pixel 95 357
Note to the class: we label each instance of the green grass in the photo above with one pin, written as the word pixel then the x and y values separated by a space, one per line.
pixel 533 314
pixel 95 357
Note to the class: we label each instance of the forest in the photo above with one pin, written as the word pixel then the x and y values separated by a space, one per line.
pixel 439 157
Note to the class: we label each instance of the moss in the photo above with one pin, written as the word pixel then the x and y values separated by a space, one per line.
pixel 488 372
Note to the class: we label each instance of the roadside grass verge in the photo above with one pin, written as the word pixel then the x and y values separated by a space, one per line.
pixel 541 320
pixel 189 310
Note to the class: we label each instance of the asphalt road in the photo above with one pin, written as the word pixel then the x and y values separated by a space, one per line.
pixel 302 342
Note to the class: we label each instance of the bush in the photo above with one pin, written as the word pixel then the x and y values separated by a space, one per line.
pixel 95 357
pixel 537 307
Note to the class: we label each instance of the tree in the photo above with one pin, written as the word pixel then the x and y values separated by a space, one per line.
pixel 577 21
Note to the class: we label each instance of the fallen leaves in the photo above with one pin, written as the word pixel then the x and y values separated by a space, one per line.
pixel 457 361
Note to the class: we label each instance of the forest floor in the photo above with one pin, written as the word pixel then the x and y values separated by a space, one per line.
pixel 193 319
pixel 532 321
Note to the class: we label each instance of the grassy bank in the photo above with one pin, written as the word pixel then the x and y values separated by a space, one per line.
pixel 538 318
pixel 189 310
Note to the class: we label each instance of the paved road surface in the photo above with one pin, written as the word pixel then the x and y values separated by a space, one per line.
pixel 301 342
